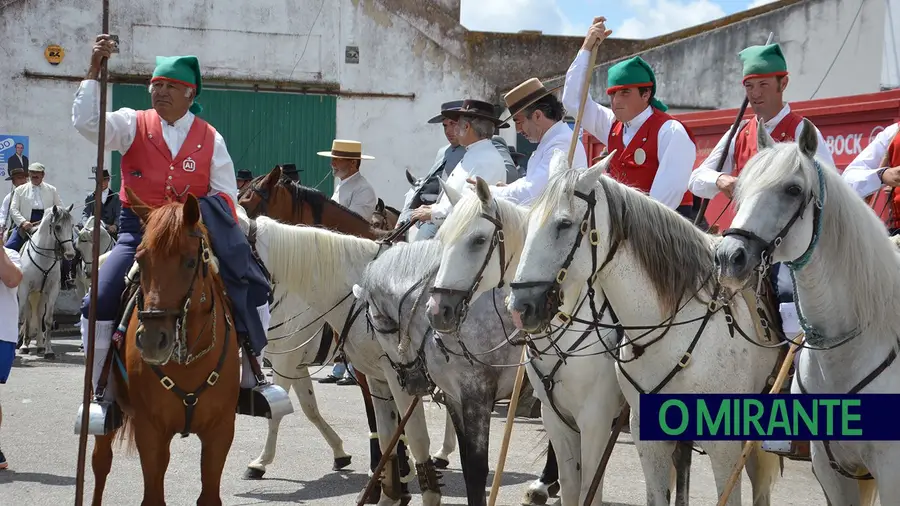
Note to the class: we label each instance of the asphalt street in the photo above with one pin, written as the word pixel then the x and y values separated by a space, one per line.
pixel 41 400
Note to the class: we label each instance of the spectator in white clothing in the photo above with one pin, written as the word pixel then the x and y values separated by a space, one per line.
pixel 11 276
pixel 353 191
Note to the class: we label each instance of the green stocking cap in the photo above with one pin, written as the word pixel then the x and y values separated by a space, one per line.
pixel 180 69
pixel 763 61
pixel 633 73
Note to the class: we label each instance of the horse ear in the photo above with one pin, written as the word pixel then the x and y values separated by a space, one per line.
pixel 191 211
pixel 482 190
pixel 137 205
pixel 453 195
pixel 410 178
pixel 589 177
pixel 272 177
pixel 809 139
pixel 71 206
pixel 763 139
pixel 379 207
pixel 357 291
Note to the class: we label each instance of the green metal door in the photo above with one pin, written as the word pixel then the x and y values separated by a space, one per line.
pixel 261 129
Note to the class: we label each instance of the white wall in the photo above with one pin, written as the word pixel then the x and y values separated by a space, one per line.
pixel 260 41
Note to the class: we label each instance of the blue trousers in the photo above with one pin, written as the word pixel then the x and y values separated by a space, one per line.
pixel 111 282
pixel 16 241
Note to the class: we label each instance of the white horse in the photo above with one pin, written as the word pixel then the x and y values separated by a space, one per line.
pixel 50 242
pixel 84 243
pixel 655 268
pixel 584 395
pixel 794 208
pixel 324 276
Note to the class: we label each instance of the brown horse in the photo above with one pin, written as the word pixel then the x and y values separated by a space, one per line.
pixel 384 217
pixel 280 198
pixel 180 354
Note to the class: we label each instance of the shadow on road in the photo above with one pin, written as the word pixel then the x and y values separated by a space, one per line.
pixel 10 476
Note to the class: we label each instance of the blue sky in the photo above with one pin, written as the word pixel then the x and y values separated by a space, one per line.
pixel 632 19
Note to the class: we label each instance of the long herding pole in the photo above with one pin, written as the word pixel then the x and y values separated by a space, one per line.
pixel 386 452
pixel 621 420
pixel 95 257
pixel 731 133
pixel 749 446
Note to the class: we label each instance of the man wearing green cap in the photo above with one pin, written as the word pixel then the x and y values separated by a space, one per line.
pixel 765 79
pixel 167 153
pixel 655 153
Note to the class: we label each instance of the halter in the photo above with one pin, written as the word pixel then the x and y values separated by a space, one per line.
pixel 497 239
pixel 58 252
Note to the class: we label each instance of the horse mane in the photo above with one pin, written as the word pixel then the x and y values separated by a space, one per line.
pixel 163 230
pixel 469 208
pixel 872 258
pixel 676 257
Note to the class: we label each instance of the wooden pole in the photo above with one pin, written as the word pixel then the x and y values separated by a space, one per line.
pixel 510 416
pixel 585 85
pixel 95 256
pixel 750 445
pixel 386 452
pixel 731 133
pixel 607 453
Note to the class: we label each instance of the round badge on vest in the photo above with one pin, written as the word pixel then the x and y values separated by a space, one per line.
pixel 189 165
pixel 640 156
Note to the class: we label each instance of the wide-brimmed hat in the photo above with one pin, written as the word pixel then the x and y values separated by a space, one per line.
pixel 244 175
pixel 349 150
pixel 446 106
pixel 290 168
pixel 36 167
pixel 105 175
pixel 475 109
pixel 526 94
pixel 18 171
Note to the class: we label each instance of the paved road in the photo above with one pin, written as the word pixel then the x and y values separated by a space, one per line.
pixel 40 403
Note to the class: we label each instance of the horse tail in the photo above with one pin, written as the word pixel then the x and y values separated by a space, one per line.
pixel 767 471
pixel 125 436
pixel 868 492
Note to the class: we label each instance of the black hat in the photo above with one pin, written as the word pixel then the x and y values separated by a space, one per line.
pixel 517 157
pixel 244 175
pixel 105 175
pixel 476 109
pixel 18 171
pixel 446 106
pixel 289 168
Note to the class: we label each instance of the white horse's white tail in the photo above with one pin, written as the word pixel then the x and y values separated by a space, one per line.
pixel 766 473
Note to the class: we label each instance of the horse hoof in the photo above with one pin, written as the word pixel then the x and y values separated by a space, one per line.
pixel 24 350
pixel 253 474
pixel 49 356
pixel 553 490
pixel 441 463
pixel 40 351
pixel 341 462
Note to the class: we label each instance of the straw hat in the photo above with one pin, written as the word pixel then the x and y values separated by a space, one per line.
pixel 349 150
pixel 526 94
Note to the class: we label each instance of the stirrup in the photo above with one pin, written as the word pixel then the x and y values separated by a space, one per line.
pixel 264 400
pixel 792 450
pixel 104 417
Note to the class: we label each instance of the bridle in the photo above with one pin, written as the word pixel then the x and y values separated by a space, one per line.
pixel 58 251
pixel 497 241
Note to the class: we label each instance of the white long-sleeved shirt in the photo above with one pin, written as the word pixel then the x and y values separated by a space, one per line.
pixel 28 197
pixel 121 127
pixel 481 159
pixel 525 190
pixel 355 193
pixel 703 179
pixel 862 173
pixel 4 212
pixel 675 150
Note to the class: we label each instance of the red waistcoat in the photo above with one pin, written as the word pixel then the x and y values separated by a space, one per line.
pixel 625 168
pixel 893 158
pixel 745 141
pixel 154 176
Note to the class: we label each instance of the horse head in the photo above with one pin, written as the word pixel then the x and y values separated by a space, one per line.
pixel 175 260
pixel 57 226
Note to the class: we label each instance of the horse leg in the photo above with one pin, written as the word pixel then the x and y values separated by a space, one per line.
pixel 303 388
pixel 681 459
pixel 45 312
pixel 763 468
pixel 24 311
pixel 656 462
pixel 568 446
pixel 839 490
pixel 594 439
pixel 406 466
pixel 153 448
pixel 441 458
pixel 722 456
pixel 257 469
pixel 215 444
pixel 386 414
pixel 547 485
pixel 101 464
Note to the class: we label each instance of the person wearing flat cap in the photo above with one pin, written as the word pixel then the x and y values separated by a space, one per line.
pixel 111 210
pixel 765 77
pixel 243 178
pixel 18 177
pixel 538 115
pixel 352 191
pixel 27 205
pixel 169 152
pixel 476 122
pixel 654 152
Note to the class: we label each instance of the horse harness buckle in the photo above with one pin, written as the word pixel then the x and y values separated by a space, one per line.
pixel 167 382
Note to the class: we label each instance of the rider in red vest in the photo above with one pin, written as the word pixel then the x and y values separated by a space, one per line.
pixel 167 153
pixel 765 79
pixel 655 152
pixel 876 166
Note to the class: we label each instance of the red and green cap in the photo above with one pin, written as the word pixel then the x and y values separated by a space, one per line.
pixel 180 69
pixel 633 73
pixel 763 61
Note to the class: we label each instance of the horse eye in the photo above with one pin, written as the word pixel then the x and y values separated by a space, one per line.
pixel 58 228
pixel 793 190
pixel 564 224
pixel 191 263
pixel 479 240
